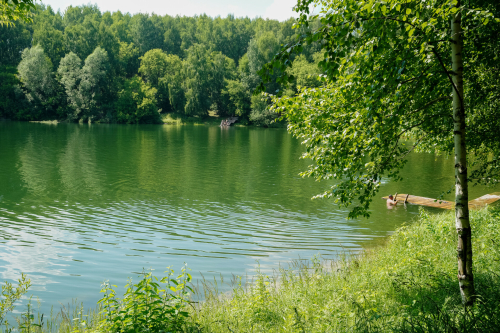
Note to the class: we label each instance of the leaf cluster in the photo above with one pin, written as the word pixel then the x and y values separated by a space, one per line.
pixel 151 305
pixel 388 87
pixel 10 295
pixel 13 10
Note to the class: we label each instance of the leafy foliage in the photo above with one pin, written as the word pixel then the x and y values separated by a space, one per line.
pixel 35 72
pixel 261 114
pixel 136 103
pixel 147 306
pixel 85 86
pixel 9 86
pixel 13 10
pixel 163 72
pixel 387 80
pixel 10 296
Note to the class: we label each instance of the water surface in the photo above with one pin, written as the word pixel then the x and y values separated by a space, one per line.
pixel 80 204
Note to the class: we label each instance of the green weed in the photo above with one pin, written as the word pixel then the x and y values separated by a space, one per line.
pixel 151 305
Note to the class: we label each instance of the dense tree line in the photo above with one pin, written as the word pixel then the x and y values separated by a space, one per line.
pixel 84 65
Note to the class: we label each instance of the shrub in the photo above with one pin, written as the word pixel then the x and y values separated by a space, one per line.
pixel 147 306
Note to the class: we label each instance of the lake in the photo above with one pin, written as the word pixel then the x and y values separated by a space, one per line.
pixel 80 204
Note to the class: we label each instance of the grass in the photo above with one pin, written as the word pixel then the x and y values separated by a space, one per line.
pixel 407 285
pixel 173 118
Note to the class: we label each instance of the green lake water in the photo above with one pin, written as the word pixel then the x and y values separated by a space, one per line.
pixel 80 204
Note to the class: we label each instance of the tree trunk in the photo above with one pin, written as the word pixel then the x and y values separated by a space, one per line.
pixel 465 275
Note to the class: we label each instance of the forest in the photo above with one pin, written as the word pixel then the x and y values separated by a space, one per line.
pixel 83 65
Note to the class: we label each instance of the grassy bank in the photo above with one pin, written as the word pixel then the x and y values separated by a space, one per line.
pixel 410 284
pixel 173 118
pixel 407 285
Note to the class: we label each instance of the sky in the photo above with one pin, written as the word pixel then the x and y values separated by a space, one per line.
pixel 273 9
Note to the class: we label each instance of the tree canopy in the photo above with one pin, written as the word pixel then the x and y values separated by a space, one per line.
pixel 388 90
pixel 196 65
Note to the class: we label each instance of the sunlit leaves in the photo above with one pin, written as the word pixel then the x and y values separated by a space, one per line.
pixel 386 63
pixel 136 103
pixel 151 305
pixel 14 10
pixel 85 86
pixel 35 71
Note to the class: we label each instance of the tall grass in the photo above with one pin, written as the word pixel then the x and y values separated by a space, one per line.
pixel 408 285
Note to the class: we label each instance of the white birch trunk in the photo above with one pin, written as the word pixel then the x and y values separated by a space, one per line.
pixel 465 275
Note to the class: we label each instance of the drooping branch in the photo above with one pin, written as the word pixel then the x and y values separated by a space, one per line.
pixel 425 106
pixel 449 76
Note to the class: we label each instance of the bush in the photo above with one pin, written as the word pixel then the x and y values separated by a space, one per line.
pixel 11 295
pixel 147 306
pixel 261 115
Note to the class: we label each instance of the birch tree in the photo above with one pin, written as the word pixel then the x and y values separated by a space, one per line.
pixel 393 71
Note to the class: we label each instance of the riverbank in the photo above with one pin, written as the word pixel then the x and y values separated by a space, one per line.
pixel 407 285
pixel 173 118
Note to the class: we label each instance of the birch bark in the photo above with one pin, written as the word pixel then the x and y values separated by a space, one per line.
pixel 465 274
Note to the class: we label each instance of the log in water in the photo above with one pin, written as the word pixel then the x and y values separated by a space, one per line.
pixel 429 202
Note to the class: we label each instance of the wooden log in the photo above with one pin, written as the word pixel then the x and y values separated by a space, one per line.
pixel 429 202
pixel 484 200
pixel 416 200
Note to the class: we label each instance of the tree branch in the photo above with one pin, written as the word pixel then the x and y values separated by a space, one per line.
pixel 448 75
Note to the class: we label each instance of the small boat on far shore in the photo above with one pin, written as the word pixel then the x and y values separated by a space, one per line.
pixel 228 122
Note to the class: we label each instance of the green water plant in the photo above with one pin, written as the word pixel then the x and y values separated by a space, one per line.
pixel 151 305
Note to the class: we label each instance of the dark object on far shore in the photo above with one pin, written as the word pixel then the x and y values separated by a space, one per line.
pixel 228 122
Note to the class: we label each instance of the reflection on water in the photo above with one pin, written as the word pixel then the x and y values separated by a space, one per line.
pixel 33 164
pixel 78 165
pixel 34 254
pixel 80 204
